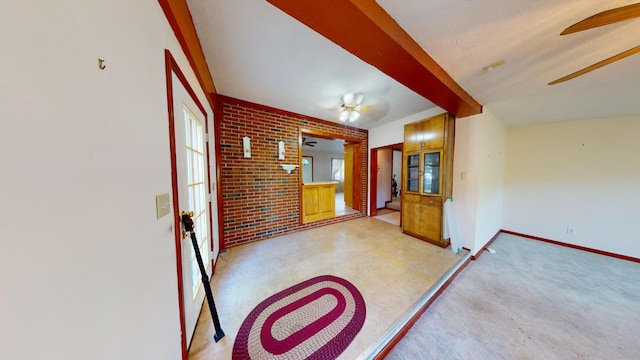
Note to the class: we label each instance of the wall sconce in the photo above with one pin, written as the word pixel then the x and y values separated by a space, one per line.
pixel 289 168
pixel 246 146
pixel 281 150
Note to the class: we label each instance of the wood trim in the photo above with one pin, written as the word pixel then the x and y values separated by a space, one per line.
pixel 325 135
pixel 176 207
pixel 358 177
pixel 577 247
pixel 396 339
pixel 373 178
pixel 179 18
pixel 475 257
pixel 366 30
pixel 183 79
pixel 373 182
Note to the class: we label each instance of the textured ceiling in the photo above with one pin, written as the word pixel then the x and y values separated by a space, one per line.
pixel 466 36
pixel 260 54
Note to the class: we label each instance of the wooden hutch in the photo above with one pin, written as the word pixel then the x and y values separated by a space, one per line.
pixel 427 168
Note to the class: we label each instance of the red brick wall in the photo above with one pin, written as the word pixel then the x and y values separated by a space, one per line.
pixel 259 199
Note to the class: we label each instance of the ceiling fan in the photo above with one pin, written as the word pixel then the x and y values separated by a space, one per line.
pixel 308 143
pixel 600 19
pixel 351 107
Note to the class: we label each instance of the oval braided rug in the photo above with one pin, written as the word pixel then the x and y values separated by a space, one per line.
pixel 315 319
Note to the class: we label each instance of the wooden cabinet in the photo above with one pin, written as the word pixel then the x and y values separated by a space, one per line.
pixel 424 222
pixel 425 134
pixel 318 201
pixel 427 177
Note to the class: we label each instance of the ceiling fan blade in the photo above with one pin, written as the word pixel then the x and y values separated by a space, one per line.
pixel 605 18
pixel 347 98
pixel 597 65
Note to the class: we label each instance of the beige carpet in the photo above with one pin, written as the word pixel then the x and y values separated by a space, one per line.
pixel 532 300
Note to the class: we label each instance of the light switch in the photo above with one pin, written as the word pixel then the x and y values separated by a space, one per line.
pixel 162 205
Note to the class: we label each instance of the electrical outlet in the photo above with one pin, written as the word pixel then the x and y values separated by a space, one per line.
pixel 571 230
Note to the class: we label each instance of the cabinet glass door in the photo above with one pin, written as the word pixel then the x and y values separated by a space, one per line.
pixel 413 172
pixel 431 171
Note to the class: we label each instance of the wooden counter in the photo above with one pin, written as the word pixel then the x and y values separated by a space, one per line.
pixel 318 201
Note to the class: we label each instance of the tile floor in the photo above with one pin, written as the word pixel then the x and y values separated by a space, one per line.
pixel 341 207
pixel 390 216
pixel 391 270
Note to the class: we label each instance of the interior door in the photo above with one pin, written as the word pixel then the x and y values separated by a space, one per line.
pixel 348 175
pixel 191 162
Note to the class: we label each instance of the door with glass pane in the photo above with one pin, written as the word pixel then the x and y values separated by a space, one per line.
pixel 423 173
pixel 191 165
pixel 431 172
pixel 413 173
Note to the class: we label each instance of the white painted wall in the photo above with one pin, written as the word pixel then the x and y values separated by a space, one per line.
pixel 86 269
pixel 580 174
pixel 465 191
pixel 322 163
pixel 480 153
pixel 385 163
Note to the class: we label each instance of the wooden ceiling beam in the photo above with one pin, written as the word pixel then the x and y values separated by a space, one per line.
pixel 179 17
pixel 366 30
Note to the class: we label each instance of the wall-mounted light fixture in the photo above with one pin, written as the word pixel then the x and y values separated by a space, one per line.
pixel 289 168
pixel 246 146
pixel 281 150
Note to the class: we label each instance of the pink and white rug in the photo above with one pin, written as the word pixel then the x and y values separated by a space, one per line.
pixel 315 319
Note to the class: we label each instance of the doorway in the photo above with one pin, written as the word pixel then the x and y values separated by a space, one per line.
pixel 190 174
pixel 333 160
pixel 385 179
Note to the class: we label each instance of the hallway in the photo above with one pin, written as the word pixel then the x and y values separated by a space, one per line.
pixel 390 269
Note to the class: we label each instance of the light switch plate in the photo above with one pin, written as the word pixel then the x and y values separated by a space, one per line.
pixel 162 205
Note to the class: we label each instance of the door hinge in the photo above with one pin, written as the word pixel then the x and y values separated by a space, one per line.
pixel 210 197
pixel 206 137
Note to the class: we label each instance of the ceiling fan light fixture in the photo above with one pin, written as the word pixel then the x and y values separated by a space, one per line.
pixel 344 115
pixel 353 116
pixel 350 109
